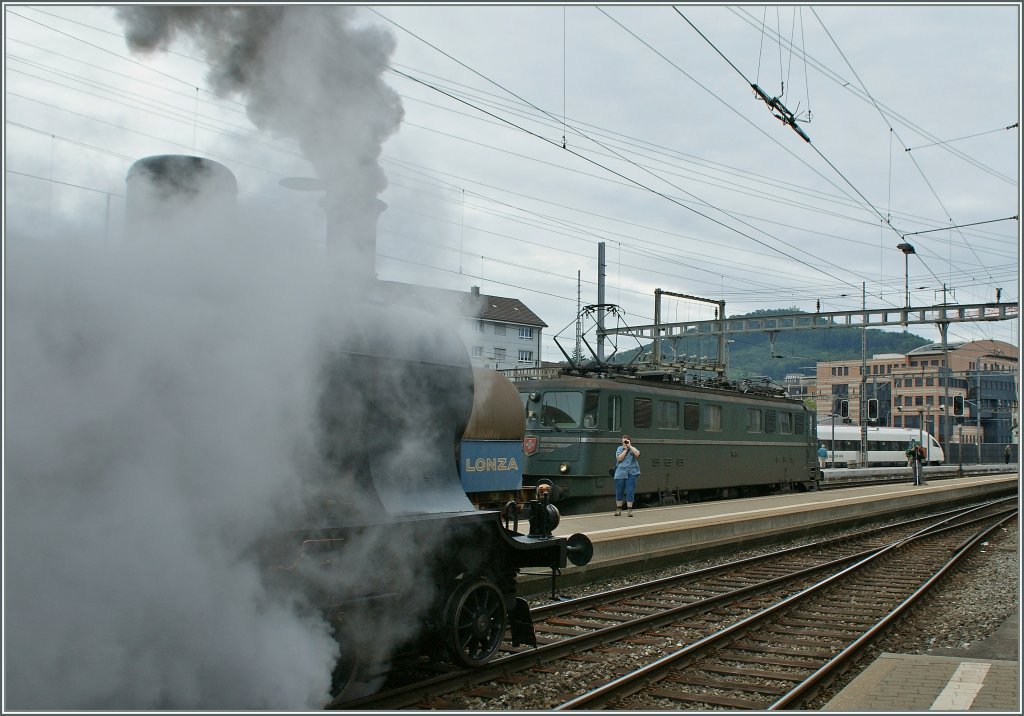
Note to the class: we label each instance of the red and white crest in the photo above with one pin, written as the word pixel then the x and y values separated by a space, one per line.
pixel 530 444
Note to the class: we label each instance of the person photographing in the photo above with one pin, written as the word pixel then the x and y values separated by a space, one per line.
pixel 627 469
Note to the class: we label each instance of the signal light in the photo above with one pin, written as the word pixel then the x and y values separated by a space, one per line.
pixel 844 408
pixel 958 405
pixel 872 408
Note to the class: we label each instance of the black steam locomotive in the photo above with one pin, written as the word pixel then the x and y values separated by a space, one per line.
pixel 387 547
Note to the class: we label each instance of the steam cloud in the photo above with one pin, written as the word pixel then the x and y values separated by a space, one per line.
pixel 152 429
pixel 163 405
pixel 305 72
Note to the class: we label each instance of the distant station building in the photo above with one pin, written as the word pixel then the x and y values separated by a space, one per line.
pixel 499 332
pixel 800 385
pixel 911 391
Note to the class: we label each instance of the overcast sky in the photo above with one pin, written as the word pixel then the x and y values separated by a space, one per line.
pixel 669 158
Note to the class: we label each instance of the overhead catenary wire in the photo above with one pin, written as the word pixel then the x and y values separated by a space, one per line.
pixel 958 139
pixel 183 142
pixel 813 267
pixel 791 121
pixel 744 15
pixel 889 124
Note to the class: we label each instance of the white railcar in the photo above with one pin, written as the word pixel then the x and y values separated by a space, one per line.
pixel 886 446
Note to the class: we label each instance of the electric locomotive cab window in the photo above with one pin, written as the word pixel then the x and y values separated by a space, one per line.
pixel 668 414
pixel 561 409
pixel 770 421
pixel 691 416
pixel 642 412
pixel 712 418
pixel 755 421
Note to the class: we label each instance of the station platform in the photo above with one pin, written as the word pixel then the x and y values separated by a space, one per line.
pixel 658 536
pixel 984 677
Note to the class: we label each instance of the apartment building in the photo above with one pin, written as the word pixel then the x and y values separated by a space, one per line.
pixel 499 332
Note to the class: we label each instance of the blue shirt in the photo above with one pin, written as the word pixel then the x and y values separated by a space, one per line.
pixel 628 466
pixel 822 452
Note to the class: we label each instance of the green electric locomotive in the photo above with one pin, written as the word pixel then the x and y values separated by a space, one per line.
pixel 697 441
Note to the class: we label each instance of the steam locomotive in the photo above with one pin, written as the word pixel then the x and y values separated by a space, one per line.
pixel 386 547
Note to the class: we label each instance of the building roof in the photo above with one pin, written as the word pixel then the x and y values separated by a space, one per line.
pixel 470 304
pixel 934 348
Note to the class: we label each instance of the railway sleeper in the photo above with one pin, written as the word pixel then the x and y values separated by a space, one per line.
pixel 710 699
pixel 766 689
pixel 756 673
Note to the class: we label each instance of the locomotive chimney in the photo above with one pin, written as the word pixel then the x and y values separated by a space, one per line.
pixel 180 194
pixel 352 231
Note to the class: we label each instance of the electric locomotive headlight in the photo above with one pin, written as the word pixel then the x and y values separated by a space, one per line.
pixel 564 468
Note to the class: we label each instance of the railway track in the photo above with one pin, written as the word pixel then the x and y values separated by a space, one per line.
pixel 781 656
pixel 676 615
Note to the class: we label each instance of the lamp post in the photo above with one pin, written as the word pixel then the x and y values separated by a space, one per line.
pixel 907 249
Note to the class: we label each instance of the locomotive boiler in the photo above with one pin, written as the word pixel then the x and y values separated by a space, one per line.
pixel 385 545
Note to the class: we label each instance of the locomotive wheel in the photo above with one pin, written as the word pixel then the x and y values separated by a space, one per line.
pixel 475 622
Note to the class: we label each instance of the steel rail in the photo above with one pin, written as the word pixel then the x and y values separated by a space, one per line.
pixel 629 683
pixel 806 690
pixel 445 683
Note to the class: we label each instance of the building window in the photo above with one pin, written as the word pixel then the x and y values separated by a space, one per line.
pixel 918 400
pixel 526 333
pixel 478 351
pixel 526 356
pixel 478 326
pixel 499 329
pixel 499 354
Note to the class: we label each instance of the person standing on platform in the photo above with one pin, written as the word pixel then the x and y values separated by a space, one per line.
pixel 914 461
pixel 1006 454
pixel 627 469
pixel 822 456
